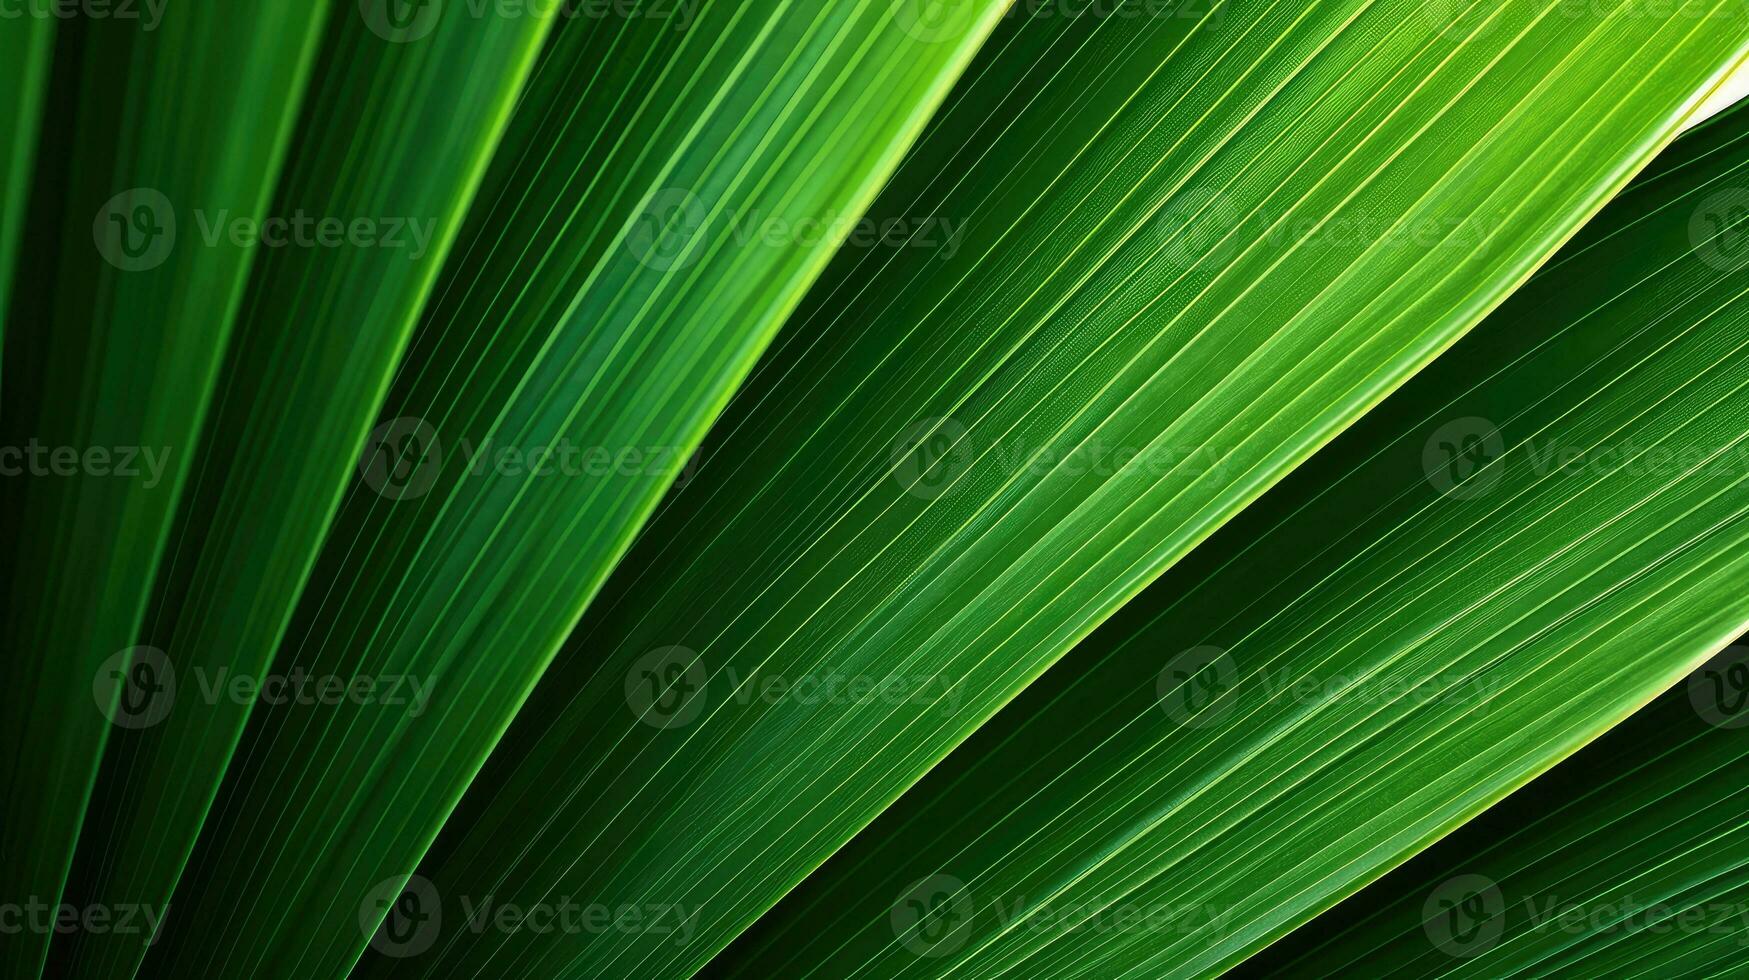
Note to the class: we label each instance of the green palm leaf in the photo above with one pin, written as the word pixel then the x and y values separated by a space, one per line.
pixel 1531 539
pixel 585 307
pixel 25 45
pixel 372 198
pixel 127 324
pixel 1626 860
pixel 1191 250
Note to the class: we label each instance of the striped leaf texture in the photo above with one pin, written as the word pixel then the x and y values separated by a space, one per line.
pixel 871 488
pixel 1524 544
pixel 1192 249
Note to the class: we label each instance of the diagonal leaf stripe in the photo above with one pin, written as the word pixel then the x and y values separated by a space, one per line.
pixel 292 405
pixel 26 45
pixel 1191 250
pixel 1626 860
pixel 1531 539
pixel 593 303
pixel 127 323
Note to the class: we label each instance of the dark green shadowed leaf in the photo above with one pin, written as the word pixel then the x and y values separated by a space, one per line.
pixel 639 236
pixel 25 45
pixel 392 143
pixel 113 342
pixel 1536 535
pixel 1188 249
